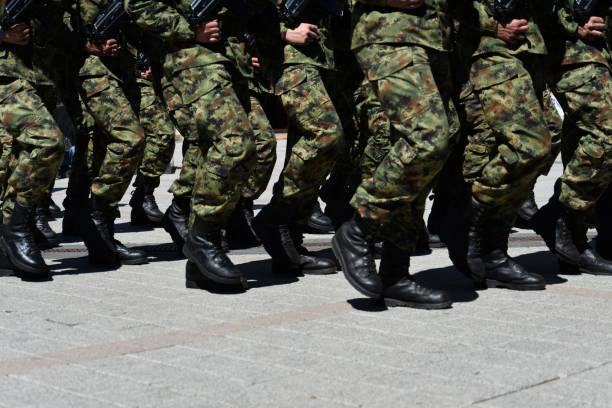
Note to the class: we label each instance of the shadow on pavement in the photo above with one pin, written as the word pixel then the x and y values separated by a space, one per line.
pixel 128 227
pixel 259 274
pixel 76 266
pixel 367 304
pixel 544 263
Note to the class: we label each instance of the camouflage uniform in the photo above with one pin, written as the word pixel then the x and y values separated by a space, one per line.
pixel 510 142
pixel 159 130
pixel 108 90
pixel 409 73
pixel 581 80
pixel 315 133
pixel 26 96
pixel 6 145
pixel 204 79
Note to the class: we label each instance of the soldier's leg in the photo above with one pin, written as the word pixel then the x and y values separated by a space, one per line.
pixel 38 148
pixel 123 142
pixel 416 99
pixel 586 95
pixel 313 141
pixel 239 230
pixel 223 171
pixel 158 151
pixel 6 147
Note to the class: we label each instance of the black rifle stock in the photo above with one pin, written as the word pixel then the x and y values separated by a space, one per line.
pixel 108 24
pixel 16 11
pixel 292 10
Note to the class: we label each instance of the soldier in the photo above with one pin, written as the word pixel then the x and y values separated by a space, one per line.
pixel 409 73
pixel 196 59
pixel 106 85
pixel 579 65
pixel 159 143
pixel 314 138
pixel 509 141
pixel 27 95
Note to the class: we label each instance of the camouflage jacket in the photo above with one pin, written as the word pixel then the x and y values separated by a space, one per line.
pixel 181 49
pixel 488 43
pixel 564 45
pixel 35 62
pixel 428 26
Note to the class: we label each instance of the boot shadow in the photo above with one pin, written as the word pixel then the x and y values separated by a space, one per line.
pixel 544 263
pixel 76 266
pixel 259 274
pixel 459 287
pixel 368 304
pixel 160 252
pixel 128 227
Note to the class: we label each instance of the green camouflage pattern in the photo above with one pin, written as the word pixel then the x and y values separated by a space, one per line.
pixel 417 102
pixel 6 146
pixel 585 92
pixel 37 143
pixel 265 145
pixel 159 131
pixel 225 139
pixel 314 137
pixel 509 144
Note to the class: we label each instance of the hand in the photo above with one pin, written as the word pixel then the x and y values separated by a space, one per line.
pixel 148 74
pixel 512 32
pixel 109 48
pixel 19 34
pixel 592 29
pixel 208 33
pixel 405 4
pixel 255 62
pixel 304 34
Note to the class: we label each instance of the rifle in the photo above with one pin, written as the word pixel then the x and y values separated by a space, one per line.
pixel 143 62
pixel 506 10
pixel 16 11
pixel 584 9
pixel 292 10
pixel 108 24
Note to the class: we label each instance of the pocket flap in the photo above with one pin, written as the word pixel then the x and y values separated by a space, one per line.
pixel 482 78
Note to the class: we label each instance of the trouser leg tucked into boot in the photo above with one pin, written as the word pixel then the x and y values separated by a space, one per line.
pixel 144 207
pixel 17 242
pixel 501 270
pixel 478 219
pixel 399 287
pixel 239 229
pixel 203 247
pixel 272 228
pixel 319 222
pixel 44 235
pixel 309 263
pixel 176 220
pixel 96 233
pixel 127 256
pixel 353 246
pixel 526 212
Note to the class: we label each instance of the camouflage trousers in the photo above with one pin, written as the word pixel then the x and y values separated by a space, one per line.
pixel 509 143
pixel 585 93
pixel 36 147
pixel 314 138
pixel 412 85
pixel 225 139
pixel 159 131
pixel 117 135
pixel 6 147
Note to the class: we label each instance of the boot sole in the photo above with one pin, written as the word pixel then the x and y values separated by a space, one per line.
pixel 139 261
pixel 320 228
pixel 426 306
pixel 325 271
pixel 21 267
pixel 211 276
pixel 491 283
pixel 349 278
pixel 194 280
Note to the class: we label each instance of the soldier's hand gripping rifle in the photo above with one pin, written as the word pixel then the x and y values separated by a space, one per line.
pixel 16 11
pixel 585 9
pixel 203 10
pixel 506 10
pixel 292 10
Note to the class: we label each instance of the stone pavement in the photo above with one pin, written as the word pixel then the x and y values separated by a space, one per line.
pixel 136 337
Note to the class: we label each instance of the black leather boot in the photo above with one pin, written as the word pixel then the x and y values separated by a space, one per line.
pixel 176 221
pixel 70 222
pixel 337 191
pixel 97 234
pixel 272 228
pixel 588 260
pixel 478 218
pixel 17 242
pixel 501 270
pixel 44 235
pixel 6 267
pixel 239 229
pixel 144 207
pixel 195 280
pixel 52 210
pixel 399 287
pixel 127 256
pixel 526 212
pixel 353 246
pixel 422 247
pixel 319 222
pixel 309 263
pixel 203 247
